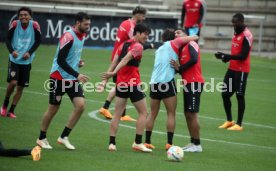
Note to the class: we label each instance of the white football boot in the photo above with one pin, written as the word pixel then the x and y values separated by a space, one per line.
pixel 66 143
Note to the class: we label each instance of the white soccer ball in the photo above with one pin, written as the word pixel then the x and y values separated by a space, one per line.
pixel 175 153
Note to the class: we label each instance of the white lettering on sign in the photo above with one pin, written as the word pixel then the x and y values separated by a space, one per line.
pixel 104 33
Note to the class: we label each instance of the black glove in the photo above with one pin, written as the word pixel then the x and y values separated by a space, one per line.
pixel 224 57
pixel 219 55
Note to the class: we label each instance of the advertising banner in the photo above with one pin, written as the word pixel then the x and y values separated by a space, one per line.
pixel 102 32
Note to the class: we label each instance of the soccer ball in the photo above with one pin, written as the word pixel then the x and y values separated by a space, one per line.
pixel 175 153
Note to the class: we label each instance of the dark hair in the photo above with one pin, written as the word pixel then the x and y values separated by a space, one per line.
pixel 141 28
pixel 24 9
pixel 80 16
pixel 139 10
pixel 168 34
pixel 182 29
pixel 239 17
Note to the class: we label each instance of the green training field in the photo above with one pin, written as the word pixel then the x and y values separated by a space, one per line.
pixel 252 149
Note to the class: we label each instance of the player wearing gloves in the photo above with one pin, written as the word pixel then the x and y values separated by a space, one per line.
pixel 237 73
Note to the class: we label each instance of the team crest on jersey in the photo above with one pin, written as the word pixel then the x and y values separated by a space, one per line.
pixel 13 73
pixel 196 4
pixel 239 38
pixel 183 57
pixel 235 44
pixel 58 98
pixel 118 39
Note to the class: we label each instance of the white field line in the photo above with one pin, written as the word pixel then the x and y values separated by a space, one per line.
pixel 129 106
pixel 207 78
pixel 93 114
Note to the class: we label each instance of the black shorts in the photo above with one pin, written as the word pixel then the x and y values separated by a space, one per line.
pixel 163 90
pixel 187 31
pixel 191 96
pixel 59 87
pixel 135 93
pixel 114 78
pixel 234 81
pixel 20 73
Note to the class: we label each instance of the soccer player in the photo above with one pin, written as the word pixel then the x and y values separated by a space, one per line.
pixel 162 84
pixel 23 39
pixel 192 16
pixel 126 66
pixel 236 76
pixel 65 78
pixel 35 152
pixel 190 70
pixel 125 32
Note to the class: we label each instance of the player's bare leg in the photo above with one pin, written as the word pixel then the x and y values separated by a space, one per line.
pixel 154 109
pixel 79 106
pixel 170 104
pixel 119 107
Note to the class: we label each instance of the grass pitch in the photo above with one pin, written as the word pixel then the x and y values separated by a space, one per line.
pixel 252 149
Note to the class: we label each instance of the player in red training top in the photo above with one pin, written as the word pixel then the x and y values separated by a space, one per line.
pixel 190 70
pixel 126 66
pixel 192 16
pixel 236 76
pixel 125 32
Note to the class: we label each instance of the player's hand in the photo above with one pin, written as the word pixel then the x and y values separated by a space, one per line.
pixel 83 78
pixel 26 56
pixel 224 58
pixel 218 55
pixel 15 54
pixel 107 75
pixel 174 64
pixel 81 63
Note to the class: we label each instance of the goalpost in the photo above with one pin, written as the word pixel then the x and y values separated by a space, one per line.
pixel 261 19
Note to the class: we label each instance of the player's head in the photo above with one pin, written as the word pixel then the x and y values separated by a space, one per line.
pixel 141 32
pixel 24 14
pixel 168 34
pixel 238 22
pixel 139 13
pixel 180 32
pixel 82 22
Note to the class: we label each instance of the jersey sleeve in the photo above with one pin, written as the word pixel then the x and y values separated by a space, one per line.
pixel 13 25
pixel 248 38
pixel 126 28
pixel 37 38
pixel 65 39
pixel 194 45
pixel 178 42
pixel 193 52
pixel 10 36
pixel 137 51
pixel 36 26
